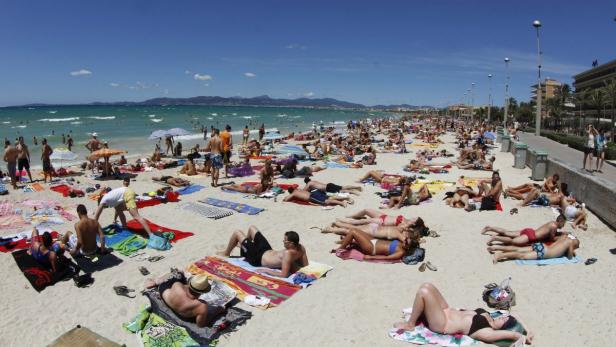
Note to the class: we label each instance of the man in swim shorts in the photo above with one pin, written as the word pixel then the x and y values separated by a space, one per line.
pixel 317 197
pixel 565 245
pixel 257 251
pixel 122 199
pixel 83 241
pixel 215 148
pixel 10 157
pixel 330 187
pixel 526 236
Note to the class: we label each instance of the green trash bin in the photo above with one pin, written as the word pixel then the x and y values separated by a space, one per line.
pixel 540 166
pixel 521 150
pixel 506 143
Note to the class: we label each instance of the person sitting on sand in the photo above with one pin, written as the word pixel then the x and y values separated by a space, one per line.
pixel 174 181
pixel 431 308
pixel 182 296
pixel 122 199
pixel 381 177
pixel 83 241
pixel 189 167
pixel 44 250
pixel 376 249
pixel 574 212
pixel 266 183
pixel 409 197
pixel 330 187
pixel 526 236
pixel 564 245
pixel 257 251
pixel 317 197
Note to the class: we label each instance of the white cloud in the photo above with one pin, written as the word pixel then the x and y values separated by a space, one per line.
pixel 250 74
pixel 115 85
pixel 296 46
pixel 199 77
pixel 82 72
pixel 206 84
pixel 187 72
pixel 166 91
pixel 309 94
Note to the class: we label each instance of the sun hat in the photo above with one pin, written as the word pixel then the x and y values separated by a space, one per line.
pixel 199 283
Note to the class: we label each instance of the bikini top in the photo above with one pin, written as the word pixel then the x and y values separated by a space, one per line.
pixel 479 321
pixel 40 257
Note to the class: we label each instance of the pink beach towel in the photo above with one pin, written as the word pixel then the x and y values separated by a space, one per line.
pixel 354 254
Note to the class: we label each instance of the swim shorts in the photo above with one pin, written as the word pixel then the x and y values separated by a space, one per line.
pixel 11 167
pixel 217 162
pixel 543 200
pixel 253 250
pixel 333 188
pixel 540 249
pixel 46 165
pixel 318 197
pixel 23 163
pixel 129 199
pixel 530 233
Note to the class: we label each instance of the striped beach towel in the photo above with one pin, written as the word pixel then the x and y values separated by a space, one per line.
pixel 241 208
pixel 206 211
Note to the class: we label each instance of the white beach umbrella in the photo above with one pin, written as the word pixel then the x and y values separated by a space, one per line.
pixel 177 132
pixel 272 136
pixel 157 134
pixel 62 154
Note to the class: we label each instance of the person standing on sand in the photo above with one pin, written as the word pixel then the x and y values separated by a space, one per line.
pixel 215 149
pixel 122 199
pixel 69 142
pixel 245 136
pixel 227 145
pixel 23 158
pixel 261 131
pixel 46 151
pixel 10 157
pixel 93 144
pixel 169 144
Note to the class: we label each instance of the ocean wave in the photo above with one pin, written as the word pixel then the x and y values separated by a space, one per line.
pixel 340 122
pixel 19 126
pixel 102 117
pixel 296 117
pixel 156 120
pixel 234 114
pixel 6 122
pixel 58 119
pixel 52 112
pixel 210 118
pixel 283 115
pixel 247 117
pixel 151 115
pixel 77 122
pixel 214 114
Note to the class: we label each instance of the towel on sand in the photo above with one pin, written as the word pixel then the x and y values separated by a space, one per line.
pixel 39 276
pixel 206 211
pixel 241 208
pixel 551 261
pixel 314 268
pixel 20 241
pixel 354 254
pixel 190 189
pixel 135 226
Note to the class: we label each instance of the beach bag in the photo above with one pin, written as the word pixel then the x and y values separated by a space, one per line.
pixel 500 297
pixel 417 256
pixel 488 204
pixel 159 243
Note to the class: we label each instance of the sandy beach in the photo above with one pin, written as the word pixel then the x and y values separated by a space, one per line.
pixel 357 302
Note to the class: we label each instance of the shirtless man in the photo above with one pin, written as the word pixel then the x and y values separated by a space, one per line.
pixel 330 187
pixel 23 158
pixel 526 236
pixel 544 199
pixel 550 186
pixel 485 165
pixel 83 241
pixel 46 152
pixel 258 252
pixel 182 296
pixel 494 189
pixel 317 197
pixel 215 148
pixel 565 245
pixel 10 157
pixel 174 181
pixel 93 144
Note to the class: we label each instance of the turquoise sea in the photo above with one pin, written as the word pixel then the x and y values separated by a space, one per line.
pixel 128 127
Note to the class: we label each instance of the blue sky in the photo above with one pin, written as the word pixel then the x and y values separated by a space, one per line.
pixel 372 52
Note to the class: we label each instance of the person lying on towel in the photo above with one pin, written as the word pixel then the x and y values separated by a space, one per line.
pixel 318 197
pixel 330 187
pixel 182 296
pixel 431 307
pixel 375 249
pixel 174 181
pixel 257 251
pixel 526 236
pixel 564 245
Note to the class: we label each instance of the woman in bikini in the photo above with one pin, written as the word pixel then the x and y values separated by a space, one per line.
pixel 43 250
pixel 409 197
pixel 379 231
pixel 367 216
pixel 381 177
pixel 431 307
pixel 375 249
pixel 267 181
pixel 176 182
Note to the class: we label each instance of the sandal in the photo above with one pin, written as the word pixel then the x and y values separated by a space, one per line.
pixel 422 267
pixel 144 271
pixel 613 250
pixel 155 258
pixel 590 261
pixel 513 211
pixel 430 266
pixel 124 291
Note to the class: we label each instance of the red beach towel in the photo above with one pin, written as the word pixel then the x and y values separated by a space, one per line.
pixel 135 226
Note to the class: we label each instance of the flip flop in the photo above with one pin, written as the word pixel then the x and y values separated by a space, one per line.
pixel 124 291
pixel 155 258
pixel 613 250
pixel 144 271
pixel 422 267
pixel 590 261
pixel 430 266
pixel 513 211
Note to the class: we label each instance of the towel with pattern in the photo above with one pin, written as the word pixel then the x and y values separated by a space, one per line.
pixel 241 208
pixel 206 211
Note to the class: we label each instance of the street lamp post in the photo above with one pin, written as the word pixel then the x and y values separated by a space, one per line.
pixel 489 96
pixel 472 102
pixel 537 25
pixel 506 94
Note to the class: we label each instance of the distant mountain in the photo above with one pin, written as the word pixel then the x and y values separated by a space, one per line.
pixel 262 100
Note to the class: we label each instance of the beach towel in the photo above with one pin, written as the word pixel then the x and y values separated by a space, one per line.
pixel 154 331
pixel 550 261
pixel 237 207
pixel 39 276
pixel 223 324
pixel 3 190
pixel 313 269
pixel 335 165
pixel 245 282
pixel 433 186
pixel 135 226
pixel 19 241
pixel 190 189
pixel 127 243
pixel 355 254
pixel 81 336
pixel 142 203
pixel 62 189
pixel 206 211
pixel 33 187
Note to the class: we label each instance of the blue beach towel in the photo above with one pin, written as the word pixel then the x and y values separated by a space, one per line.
pixel 334 165
pixel 551 261
pixel 241 208
pixel 190 189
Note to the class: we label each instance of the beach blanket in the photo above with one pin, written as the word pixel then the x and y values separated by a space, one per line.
pixel 223 324
pixel 245 282
pixel 336 165
pixel 125 242
pixel 19 241
pixel 81 336
pixel 313 269
pixel 190 189
pixel 346 254
pixel 551 261
pixel 433 186
pixel 135 226
pixel 472 181
pixel 33 187
pixel 237 207
pixel 61 188
pixel 39 276
pixel 206 211
pixel 154 331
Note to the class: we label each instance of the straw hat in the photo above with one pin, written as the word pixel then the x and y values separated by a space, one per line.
pixel 199 284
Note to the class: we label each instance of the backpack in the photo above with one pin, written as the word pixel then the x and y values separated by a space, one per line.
pixel 500 298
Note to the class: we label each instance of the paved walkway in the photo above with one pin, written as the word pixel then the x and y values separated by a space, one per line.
pixel 566 154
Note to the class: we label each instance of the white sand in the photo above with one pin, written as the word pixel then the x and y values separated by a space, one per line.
pixel 356 304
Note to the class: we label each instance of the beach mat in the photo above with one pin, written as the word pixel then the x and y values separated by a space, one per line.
pixel 223 324
pixel 346 254
pixel 335 165
pixel 82 337
pixel 154 331
pixel 551 261
pixel 21 241
pixel 38 276
pixel 135 226
pixel 190 189
pixel 314 269
pixel 206 211
pixel 237 207
pixel 245 282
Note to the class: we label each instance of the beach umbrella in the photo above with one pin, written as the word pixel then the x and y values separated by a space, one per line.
pixel 489 135
pixel 106 153
pixel 177 132
pixel 272 136
pixel 62 154
pixel 157 134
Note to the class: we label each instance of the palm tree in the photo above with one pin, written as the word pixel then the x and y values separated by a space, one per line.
pixel 596 99
pixel 610 94
pixel 582 98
